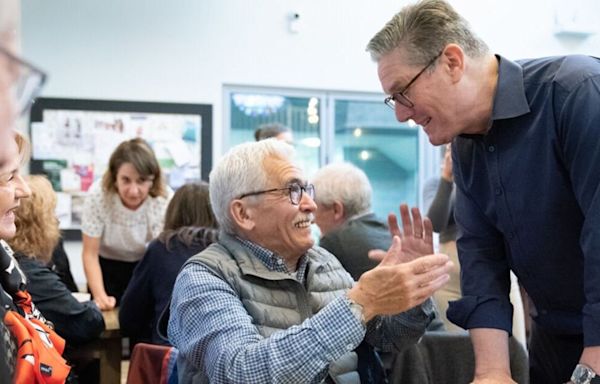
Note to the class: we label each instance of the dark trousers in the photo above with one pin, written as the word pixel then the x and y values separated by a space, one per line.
pixel 116 276
pixel 552 357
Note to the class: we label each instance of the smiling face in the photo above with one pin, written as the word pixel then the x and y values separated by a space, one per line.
pixel 133 189
pixel 434 94
pixel 12 188
pixel 274 222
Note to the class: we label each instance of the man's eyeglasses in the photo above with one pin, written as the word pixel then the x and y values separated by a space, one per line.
pixel 295 191
pixel 400 97
pixel 27 81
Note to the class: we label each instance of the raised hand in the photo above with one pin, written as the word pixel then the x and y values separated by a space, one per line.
pixel 416 236
pixel 394 287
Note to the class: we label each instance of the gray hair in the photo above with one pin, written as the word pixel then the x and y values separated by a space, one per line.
pixel 266 131
pixel 346 183
pixel 241 170
pixel 422 30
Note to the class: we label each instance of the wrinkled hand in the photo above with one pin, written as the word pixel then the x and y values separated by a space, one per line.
pixel 393 286
pixel 416 236
pixel 105 303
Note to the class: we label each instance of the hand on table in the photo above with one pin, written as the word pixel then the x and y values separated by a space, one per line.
pixel 105 303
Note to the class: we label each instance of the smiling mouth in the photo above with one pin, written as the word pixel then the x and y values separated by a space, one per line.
pixel 304 223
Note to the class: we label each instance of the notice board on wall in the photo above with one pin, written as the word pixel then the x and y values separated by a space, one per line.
pixel 72 140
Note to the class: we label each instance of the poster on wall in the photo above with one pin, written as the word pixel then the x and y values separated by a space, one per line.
pixel 72 141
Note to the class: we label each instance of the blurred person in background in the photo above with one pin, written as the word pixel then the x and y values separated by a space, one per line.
pixel 190 226
pixel 121 214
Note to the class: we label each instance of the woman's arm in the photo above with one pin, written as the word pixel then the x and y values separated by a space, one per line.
pixel 93 273
pixel 74 321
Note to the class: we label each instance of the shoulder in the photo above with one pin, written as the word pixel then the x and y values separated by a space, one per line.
pixel 157 205
pixel 28 265
pixel 568 72
pixel 96 190
pixel 155 249
pixel 213 255
pixel 326 264
pixel 363 227
pixel 322 256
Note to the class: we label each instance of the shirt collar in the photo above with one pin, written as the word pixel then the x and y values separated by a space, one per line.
pixel 274 262
pixel 510 99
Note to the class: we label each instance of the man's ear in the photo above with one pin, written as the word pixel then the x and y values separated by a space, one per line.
pixel 338 211
pixel 453 59
pixel 242 215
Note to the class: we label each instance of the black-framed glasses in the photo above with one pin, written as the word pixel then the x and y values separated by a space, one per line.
pixel 295 191
pixel 400 97
pixel 27 81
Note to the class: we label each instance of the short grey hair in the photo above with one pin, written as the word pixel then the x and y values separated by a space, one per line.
pixel 241 170
pixel 422 30
pixel 346 183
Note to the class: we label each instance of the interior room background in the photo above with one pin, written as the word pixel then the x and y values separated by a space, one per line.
pixel 220 51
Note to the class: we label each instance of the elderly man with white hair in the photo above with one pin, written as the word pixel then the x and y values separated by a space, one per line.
pixel 264 305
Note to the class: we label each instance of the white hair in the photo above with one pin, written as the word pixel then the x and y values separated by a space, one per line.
pixel 346 183
pixel 241 170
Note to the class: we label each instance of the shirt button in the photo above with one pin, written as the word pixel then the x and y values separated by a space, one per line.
pixel 491 148
pixel 349 347
pixel 498 191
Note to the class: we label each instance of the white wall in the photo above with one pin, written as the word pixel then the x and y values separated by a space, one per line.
pixel 186 50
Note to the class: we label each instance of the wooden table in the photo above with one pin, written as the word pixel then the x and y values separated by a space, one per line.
pixel 110 349
pixel 107 348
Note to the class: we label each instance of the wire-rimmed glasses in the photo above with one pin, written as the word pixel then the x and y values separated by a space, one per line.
pixel 295 191
pixel 400 97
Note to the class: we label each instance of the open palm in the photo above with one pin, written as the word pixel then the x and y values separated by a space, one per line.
pixel 416 235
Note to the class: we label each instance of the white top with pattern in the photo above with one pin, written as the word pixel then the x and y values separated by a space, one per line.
pixel 123 233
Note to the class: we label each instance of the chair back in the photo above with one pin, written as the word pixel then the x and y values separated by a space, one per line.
pixel 151 363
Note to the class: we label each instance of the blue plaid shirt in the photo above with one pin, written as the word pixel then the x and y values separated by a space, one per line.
pixel 211 328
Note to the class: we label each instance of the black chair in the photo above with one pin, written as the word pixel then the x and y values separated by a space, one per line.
pixel 447 357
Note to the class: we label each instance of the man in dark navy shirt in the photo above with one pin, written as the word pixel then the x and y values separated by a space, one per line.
pixel 526 158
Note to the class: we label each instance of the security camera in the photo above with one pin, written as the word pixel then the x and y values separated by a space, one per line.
pixel 294 22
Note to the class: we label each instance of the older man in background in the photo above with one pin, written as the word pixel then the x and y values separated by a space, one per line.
pixel 350 230
pixel 265 305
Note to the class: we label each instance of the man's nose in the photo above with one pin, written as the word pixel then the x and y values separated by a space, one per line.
pixel 403 113
pixel 307 204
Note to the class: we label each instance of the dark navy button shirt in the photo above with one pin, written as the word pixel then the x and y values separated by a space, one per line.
pixel 528 199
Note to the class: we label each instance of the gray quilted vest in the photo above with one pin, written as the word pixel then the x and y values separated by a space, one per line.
pixel 326 279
